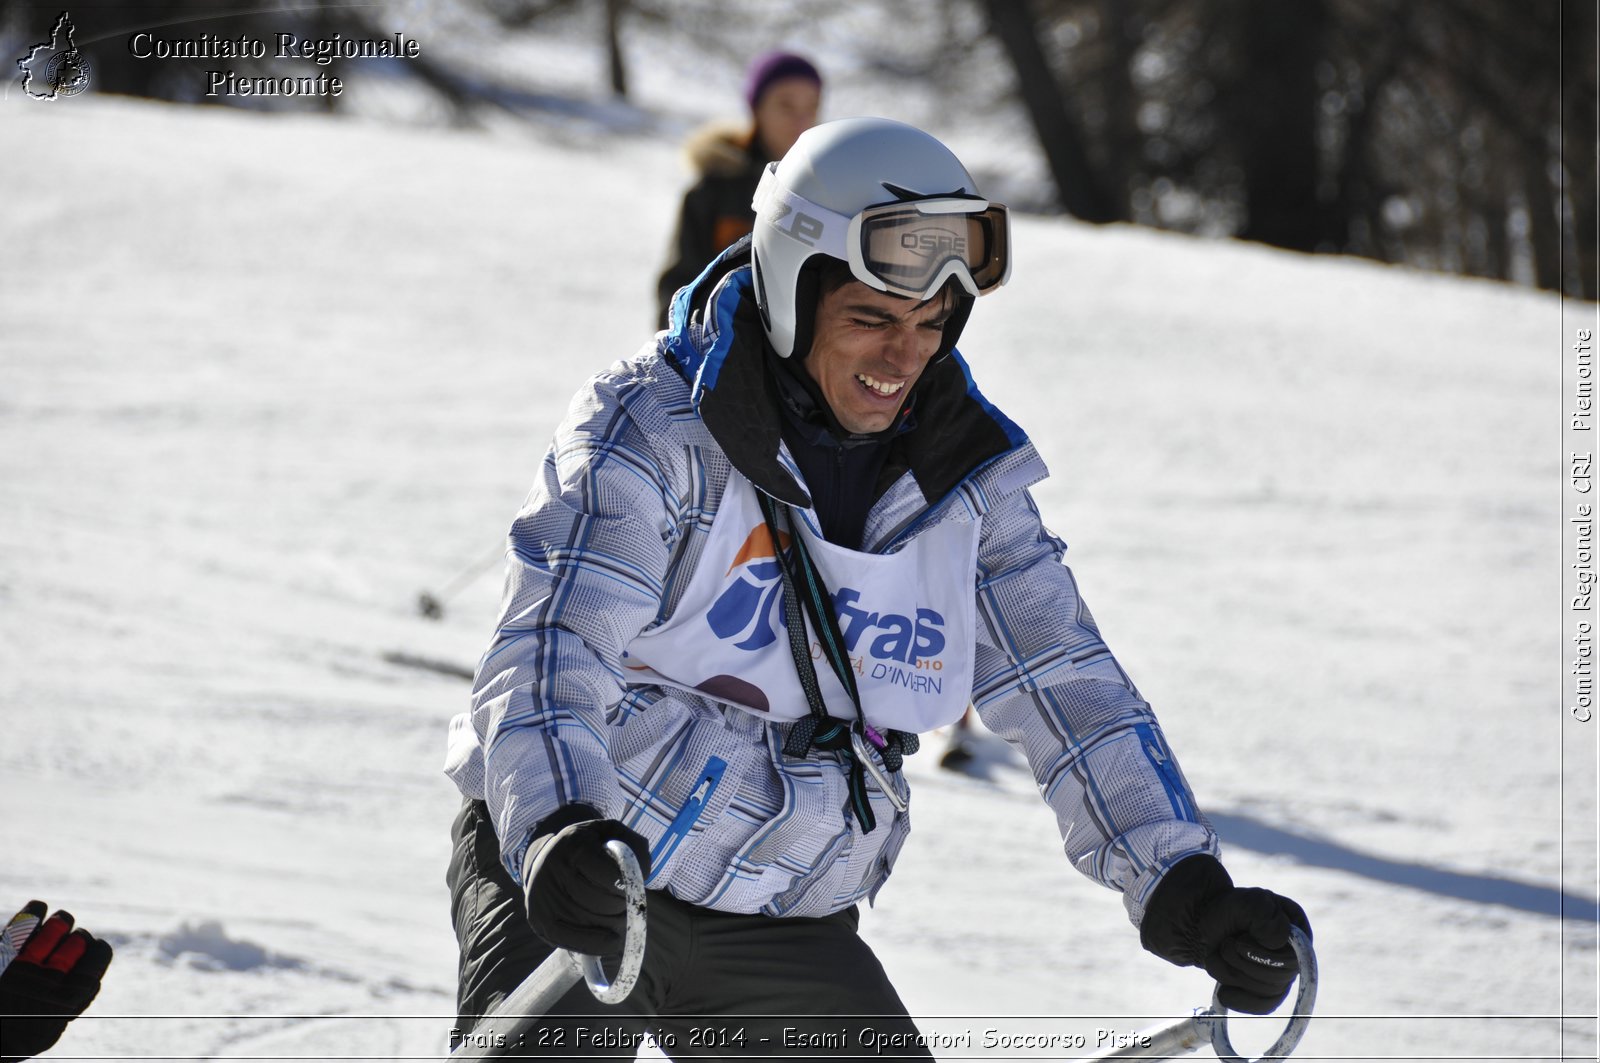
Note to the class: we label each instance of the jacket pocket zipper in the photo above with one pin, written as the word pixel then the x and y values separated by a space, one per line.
pixel 684 822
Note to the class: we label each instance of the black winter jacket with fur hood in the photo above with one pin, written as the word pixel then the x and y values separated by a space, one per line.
pixel 716 210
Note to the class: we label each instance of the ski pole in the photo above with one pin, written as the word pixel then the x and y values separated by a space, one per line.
pixel 431 605
pixel 500 1033
pixel 1211 1024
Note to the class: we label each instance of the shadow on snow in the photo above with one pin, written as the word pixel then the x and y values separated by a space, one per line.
pixel 1482 889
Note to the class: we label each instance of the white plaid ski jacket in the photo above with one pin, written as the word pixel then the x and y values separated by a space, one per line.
pixel 605 546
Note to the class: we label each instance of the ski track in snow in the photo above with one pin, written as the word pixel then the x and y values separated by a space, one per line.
pixel 263 380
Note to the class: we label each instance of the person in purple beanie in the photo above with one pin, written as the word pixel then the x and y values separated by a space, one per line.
pixel 784 93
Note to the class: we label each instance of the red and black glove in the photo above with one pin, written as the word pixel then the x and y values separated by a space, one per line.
pixel 1197 917
pixel 572 886
pixel 55 975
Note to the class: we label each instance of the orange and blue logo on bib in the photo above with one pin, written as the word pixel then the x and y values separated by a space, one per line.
pixel 750 611
pixel 746 609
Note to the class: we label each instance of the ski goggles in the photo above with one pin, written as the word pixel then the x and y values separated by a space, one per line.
pixel 909 248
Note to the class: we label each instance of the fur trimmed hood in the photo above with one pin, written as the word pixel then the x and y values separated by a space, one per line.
pixel 722 149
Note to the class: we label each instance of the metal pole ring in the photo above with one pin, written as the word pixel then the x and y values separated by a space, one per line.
pixel 1304 1001
pixel 615 990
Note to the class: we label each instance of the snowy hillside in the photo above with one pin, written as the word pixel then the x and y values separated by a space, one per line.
pixel 263 380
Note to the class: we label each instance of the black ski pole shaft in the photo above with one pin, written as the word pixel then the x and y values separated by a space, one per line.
pixel 432 605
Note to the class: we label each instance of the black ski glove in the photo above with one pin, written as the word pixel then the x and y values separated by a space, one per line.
pixel 573 887
pixel 55 975
pixel 1197 917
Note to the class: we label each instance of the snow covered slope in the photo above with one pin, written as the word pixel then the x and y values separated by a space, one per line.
pixel 262 380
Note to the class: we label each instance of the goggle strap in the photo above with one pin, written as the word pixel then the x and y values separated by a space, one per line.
pixel 819 228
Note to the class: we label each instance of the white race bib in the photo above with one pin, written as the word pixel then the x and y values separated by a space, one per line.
pixel 907 621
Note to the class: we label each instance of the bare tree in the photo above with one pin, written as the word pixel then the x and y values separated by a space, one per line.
pixel 1425 131
pixel 1078 182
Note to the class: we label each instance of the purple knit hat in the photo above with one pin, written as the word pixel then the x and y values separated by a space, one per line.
pixel 769 67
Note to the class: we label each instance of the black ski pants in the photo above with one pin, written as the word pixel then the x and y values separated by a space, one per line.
pixel 713 983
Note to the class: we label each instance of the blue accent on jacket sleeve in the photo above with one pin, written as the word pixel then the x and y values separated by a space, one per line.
pixel 1046 682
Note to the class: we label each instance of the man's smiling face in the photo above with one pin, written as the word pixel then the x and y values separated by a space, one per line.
pixel 869 350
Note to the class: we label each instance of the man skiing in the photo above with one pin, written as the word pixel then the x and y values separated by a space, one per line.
pixel 762 556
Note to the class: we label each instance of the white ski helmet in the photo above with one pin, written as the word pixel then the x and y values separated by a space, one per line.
pixel 888 199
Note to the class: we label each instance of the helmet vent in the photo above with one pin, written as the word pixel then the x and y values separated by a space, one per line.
pixel 906 195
